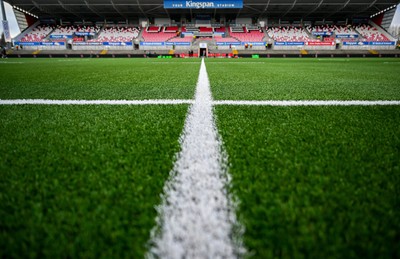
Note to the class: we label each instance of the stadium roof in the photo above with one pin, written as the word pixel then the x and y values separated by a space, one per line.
pixel 97 10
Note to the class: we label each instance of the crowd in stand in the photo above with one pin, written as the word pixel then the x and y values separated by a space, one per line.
pixel 173 33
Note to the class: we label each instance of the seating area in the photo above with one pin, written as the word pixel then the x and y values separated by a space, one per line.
pixel 226 39
pixel 237 29
pixel 288 34
pixel 38 34
pixel 221 29
pixel 206 29
pixel 370 33
pixel 68 30
pixel 184 39
pixel 117 34
pixel 90 29
pixel 250 36
pixel 157 36
pixel 333 29
pixel 153 29
pixel 171 29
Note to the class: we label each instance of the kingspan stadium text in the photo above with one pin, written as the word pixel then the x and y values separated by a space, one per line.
pixel 198 5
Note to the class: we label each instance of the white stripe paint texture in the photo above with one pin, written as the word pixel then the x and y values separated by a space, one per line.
pixel 197 216
pixel 93 102
pixel 218 102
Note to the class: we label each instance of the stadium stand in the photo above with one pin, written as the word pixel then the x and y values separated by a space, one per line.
pixel 157 36
pixel 68 30
pixel 370 33
pixel 288 34
pixel 117 34
pixel 253 35
pixel 37 34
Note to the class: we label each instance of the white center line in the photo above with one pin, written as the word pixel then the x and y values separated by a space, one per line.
pixel 197 216
pixel 308 103
pixel 218 102
pixel 93 102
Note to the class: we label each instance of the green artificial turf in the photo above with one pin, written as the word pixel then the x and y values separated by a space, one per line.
pixel 76 78
pixel 82 181
pixel 305 79
pixel 316 182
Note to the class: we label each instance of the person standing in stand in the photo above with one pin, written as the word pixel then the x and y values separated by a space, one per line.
pixel 3 52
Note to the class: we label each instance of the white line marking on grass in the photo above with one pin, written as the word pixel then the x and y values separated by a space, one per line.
pixel 233 62
pixel 11 62
pixel 307 103
pixel 93 102
pixel 197 216
pixel 219 102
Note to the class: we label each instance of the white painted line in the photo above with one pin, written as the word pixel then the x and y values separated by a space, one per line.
pixel 233 62
pixel 220 102
pixel 93 102
pixel 307 103
pixel 197 216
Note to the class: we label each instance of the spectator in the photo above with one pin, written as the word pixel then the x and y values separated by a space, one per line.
pixel 3 52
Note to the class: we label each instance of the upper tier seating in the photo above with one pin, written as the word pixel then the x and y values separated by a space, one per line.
pixel 64 30
pixel 153 29
pixel 157 36
pixel 337 29
pixel 288 34
pixel 226 39
pixel 184 39
pixel 117 34
pixel 249 36
pixel 220 29
pixel 37 34
pixel 371 33
pixel 206 29
pixel 171 29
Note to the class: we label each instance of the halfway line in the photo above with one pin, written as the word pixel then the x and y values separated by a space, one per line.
pixel 307 103
pixel 93 102
pixel 197 216
pixel 220 102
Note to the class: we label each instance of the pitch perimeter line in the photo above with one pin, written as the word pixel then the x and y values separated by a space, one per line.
pixel 221 102
pixel 308 103
pixel 197 216
pixel 94 102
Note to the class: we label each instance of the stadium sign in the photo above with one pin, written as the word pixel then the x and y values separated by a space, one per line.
pixel 152 44
pixel 60 36
pixel 198 4
pixel 346 36
pixel 318 43
pixel 40 43
pixel 366 43
pixel 322 33
pixel 6 30
pixel 117 44
pixel 355 43
pixel 177 43
pixel 84 33
pixel 228 43
pixel 289 43
pixel 254 43
pixel 382 43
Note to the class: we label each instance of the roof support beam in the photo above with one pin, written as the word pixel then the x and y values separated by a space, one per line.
pixel 91 9
pixel 68 10
pixel 290 9
pixel 369 6
pixel 140 8
pixel 315 9
pixel 340 9
pixel 265 9
pixel 116 9
pixel 41 8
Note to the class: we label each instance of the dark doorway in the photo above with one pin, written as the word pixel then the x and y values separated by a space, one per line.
pixel 203 52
